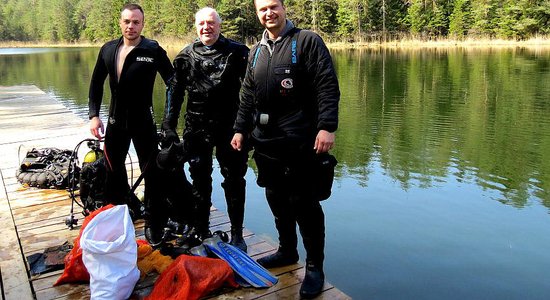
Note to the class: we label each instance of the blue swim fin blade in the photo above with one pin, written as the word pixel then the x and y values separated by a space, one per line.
pixel 242 264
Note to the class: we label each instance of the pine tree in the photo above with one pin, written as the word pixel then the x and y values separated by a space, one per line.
pixel 459 20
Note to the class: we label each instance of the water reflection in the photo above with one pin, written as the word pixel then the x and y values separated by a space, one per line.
pixel 426 117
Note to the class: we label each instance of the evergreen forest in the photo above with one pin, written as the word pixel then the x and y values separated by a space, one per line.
pixel 73 21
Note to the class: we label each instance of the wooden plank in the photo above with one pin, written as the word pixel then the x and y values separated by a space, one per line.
pixel 14 278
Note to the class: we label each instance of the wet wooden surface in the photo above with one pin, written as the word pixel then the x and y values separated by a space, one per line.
pixel 34 219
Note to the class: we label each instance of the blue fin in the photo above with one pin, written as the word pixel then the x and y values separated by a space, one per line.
pixel 242 264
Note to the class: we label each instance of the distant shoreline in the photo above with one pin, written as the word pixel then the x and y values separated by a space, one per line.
pixel 395 44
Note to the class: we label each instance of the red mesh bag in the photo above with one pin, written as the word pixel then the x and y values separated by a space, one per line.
pixel 192 277
pixel 75 271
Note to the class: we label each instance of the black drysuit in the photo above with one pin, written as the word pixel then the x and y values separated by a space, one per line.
pixel 130 113
pixel 211 76
pixel 289 93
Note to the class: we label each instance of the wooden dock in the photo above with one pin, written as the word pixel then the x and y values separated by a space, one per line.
pixel 34 219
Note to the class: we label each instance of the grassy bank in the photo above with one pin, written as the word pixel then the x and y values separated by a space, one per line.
pixel 542 42
pixel 446 43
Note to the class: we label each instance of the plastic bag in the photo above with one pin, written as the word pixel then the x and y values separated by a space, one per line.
pixel 109 252
pixel 75 271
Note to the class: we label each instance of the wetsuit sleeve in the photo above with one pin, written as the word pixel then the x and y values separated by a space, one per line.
pixel 325 83
pixel 175 95
pixel 243 59
pixel 95 95
pixel 165 67
pixel 245 116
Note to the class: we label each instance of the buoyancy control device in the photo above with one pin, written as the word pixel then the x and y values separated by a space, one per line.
pixel 46 168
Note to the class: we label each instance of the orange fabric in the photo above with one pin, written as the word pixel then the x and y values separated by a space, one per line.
pixel 192 277
pixel 75 271
pixel 149 260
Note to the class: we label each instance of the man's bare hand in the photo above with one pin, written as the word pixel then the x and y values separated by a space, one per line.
pixel 324 141
pixel 96 128
pixel 237 141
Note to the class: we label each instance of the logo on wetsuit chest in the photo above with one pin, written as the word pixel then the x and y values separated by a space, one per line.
pixel 287 83
pixel 145 59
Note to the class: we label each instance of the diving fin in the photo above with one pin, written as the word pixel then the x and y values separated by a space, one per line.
pixel 247 268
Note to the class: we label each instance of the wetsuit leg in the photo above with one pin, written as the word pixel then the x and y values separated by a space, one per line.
pixel 117 143
pixel 311 221
pixel 200 169
pixel 279 200
pixel 233 166
pixel 309 213
pixel 145 142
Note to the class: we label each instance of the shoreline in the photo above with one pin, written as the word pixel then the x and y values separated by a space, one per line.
pixel 394 44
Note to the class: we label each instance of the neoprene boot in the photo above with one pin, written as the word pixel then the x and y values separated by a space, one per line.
pixel 153 233
pixel 314 280
pixel 193 237
pixel 235 197
pixel 280 258
pixel 237 239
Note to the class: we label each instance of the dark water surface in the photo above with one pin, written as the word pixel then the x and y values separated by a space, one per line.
pixel 443 185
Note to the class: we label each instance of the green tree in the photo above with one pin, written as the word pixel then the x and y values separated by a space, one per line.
pixel 177 18
pixel 154 26
pixel 100 18
pixel 517 19
pixel 417 16
pixel 351 16
pixel 483 17
pixel 301 13
pixel 459 20
pixel 316 15
pixel 239 19
pixel 389 15
pixel 438 22
pixel 325 20
pixel 541 14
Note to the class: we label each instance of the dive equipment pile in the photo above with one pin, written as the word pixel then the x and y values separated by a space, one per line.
pixel 46 168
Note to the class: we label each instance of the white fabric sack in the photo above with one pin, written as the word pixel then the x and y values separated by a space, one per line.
pixel 109 252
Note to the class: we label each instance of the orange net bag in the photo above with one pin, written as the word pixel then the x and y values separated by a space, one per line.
pixel 192 277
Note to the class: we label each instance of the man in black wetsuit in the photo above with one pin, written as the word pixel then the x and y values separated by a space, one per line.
pixel 131 62
pixel 289 108
pixel 210 70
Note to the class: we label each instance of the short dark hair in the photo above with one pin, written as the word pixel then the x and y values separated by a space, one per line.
pixel 282 2
pixel 132 6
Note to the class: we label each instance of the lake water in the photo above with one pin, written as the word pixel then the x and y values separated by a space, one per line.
pixel 443 185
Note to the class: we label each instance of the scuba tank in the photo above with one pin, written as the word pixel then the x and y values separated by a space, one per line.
pixel 94 154
pixel 92 177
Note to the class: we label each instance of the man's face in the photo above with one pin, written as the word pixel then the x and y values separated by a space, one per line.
pixel 131 23
pixel 208 27
pixel 271 13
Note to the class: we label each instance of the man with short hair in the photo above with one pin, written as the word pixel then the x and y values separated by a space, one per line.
pixel 289 108
pixel 131 62
pixel 210 70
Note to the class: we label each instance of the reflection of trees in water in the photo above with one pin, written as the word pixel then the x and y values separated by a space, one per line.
pixel 423 116
pixel 426 115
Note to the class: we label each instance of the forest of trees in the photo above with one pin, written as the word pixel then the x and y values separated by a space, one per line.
pixel 336 20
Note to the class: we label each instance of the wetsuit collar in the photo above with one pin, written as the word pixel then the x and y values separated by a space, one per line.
pixel 200 48
pixel 121 40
